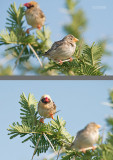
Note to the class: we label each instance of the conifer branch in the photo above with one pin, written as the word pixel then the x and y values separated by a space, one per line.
pixel 54 134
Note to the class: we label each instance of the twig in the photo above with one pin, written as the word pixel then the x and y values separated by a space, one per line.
pixel 35 54
pixel 67 60
pixel 19 57
pixel 58 153
pixel 36 146
pixel 51 156
pixel 81 150
pixel 49 141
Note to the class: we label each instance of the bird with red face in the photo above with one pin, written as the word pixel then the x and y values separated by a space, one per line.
pixel 46 107
pixel 34 15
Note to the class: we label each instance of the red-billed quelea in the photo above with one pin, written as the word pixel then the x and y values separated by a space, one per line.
pixel 63 49
pixel 46 107
pixel 34 15
pixel 86 137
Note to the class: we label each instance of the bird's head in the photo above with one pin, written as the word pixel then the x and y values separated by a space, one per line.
pixel 46 99
pixel 93 126
pixel 31 4
pixel 70 38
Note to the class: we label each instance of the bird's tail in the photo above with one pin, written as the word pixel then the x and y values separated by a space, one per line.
pixel 57 111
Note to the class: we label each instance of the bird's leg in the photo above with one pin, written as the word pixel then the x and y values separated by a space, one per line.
pixel 39 27
pixel 83 150
pixel 51 114
pixel 60 62
pixel 70 59
pixel 29 29
pixel 93 148
pixel 41 120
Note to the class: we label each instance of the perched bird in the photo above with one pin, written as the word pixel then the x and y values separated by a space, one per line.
pixel 86 137
pixel 46 107
pixel 63 49
pixel 34 15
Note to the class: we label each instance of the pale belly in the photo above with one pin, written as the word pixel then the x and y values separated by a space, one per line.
pixel 64 54
pixel 33 20
pixel 87 142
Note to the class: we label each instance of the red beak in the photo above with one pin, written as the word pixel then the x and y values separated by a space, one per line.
pixel 26 4
pixel 46 99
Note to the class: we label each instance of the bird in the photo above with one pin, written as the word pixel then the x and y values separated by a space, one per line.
pixel 63 49
pixel 46 107
pixel 34 15
pixel 86 137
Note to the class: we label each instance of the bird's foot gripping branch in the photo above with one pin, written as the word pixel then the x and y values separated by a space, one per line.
pixel 42 136
pixel 22 46
pixel 53 134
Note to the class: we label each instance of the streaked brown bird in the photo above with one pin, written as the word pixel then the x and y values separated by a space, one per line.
pixel 63 49
pixel 34 15
pixel 86 137
pixel 46 107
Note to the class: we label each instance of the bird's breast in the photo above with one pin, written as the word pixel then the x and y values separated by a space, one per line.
pixel 33 18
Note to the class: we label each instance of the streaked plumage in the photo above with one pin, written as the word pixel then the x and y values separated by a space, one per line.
pixel 63 49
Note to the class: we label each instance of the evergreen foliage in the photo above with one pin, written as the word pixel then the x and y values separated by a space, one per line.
pixel 55 135
pixel 32 128
pixel 87 59
pixel 86 62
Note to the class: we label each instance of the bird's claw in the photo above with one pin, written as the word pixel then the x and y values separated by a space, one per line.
pixel 93 148
pixel 83 150
pixel 70 59
pixel 39 27
pixel 60 62
pixel 41 120
pixel 51 115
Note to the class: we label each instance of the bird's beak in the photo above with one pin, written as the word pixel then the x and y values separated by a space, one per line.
pixel 46 99
pixel 98 126
pixel 75 40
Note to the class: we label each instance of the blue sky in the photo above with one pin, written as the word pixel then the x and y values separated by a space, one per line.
pixel 98 12
pixel 80 102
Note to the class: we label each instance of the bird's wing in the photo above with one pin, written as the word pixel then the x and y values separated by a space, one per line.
pixel 78 137
pixel 55 46
pixel 81 134
pixel 54 106
pixel 38 13
pixel 41 14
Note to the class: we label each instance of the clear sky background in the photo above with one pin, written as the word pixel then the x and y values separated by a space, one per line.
pixel 98 12
pixel 80 102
